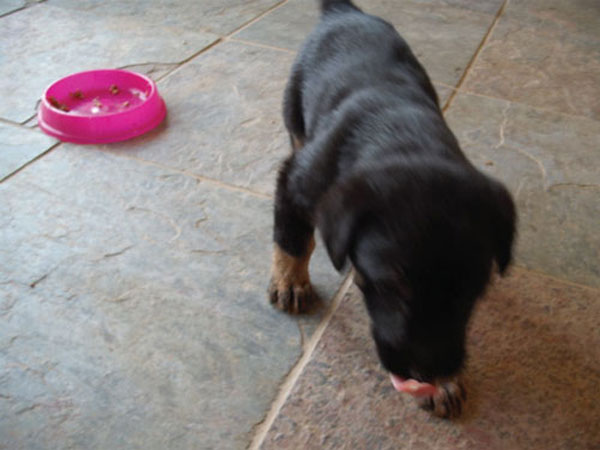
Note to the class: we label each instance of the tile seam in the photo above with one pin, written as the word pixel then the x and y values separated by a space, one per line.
pixel 478 51
pixel 262 428
pixel 261 45
pixel 526 270
pixel 30 162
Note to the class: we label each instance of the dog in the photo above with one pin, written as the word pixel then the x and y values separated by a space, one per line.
pixel 375 168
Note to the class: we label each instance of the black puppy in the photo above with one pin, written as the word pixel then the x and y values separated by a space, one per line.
pixel 375 167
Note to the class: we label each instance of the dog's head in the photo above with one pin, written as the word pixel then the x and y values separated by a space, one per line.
pixel 423 238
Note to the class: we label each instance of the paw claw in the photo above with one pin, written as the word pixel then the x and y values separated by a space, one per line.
pixel 448 402
pixel 293 299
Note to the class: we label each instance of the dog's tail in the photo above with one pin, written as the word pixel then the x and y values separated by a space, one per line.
pixel 330 5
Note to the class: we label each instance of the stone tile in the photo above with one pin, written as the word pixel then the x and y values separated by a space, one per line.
pixel 213 16
pixel 133 309
pixel 286 27
pixel 231 128
pixel 156 71
pixel 575 16
pixel 224 117
pixel 444 38
pixel 549 161
pixel 532 370
pixel 485 6
pixel 8 6
pixel 551 67
pixel 443 92
pixel 42 44
pixel 18 146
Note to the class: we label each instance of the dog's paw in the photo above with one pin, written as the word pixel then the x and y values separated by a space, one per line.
pixel 289 297
pixel 448 402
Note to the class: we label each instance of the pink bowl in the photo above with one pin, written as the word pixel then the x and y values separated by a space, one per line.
pixel 101 106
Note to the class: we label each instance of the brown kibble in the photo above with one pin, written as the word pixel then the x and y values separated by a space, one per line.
pixel 77 94
pixel 114 89
pixel 97 102
pixel 125 104
pixel 54 102
pixel 489 163
pixel 58 105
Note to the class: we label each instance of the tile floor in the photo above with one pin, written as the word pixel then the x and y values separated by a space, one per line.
pixel 132 276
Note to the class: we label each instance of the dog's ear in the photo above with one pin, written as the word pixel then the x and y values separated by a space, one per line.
pixel 338 217
pixel 503 225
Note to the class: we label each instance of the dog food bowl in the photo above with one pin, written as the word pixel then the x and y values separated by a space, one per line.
pixel 100 106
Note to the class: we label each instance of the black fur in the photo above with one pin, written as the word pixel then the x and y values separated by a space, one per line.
pixel 383 178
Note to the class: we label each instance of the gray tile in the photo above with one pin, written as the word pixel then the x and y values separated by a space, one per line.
pixel 224 117
pixel 549 162
pixel 8 6
pixel 286 27
pixel 443 38
pixel 133 308
pixel 548 66
pixel 231 127
pixel 214 16
pixel 529 335
pixel 485 6
pixel 574 16
pixel 156 71
pixel 444 93
pixel 42 44
pixel 18 146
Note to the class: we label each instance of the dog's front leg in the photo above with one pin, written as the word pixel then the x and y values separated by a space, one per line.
pixel 290 289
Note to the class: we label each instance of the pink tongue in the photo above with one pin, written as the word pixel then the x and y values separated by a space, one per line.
pixel 413 387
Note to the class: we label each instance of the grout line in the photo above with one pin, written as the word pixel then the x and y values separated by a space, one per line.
pixel 28 163
pixel 519 268
pixel 180 64
pixel 447 104
pixel 258 44
pixel 172 66
pixel 21 8
pixel 526 105
pixel 286 388
pixel 13 11
pixel 209 180
pixel 476 55
pixel 16 124
pixel 221 38
pixel 257 18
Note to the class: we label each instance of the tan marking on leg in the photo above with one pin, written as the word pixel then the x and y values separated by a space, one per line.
pixel 297 144
pixel 290 288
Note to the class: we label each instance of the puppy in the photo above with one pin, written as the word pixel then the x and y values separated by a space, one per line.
pixel 376 169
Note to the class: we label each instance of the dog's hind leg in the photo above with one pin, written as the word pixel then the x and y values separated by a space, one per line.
pixel 290 288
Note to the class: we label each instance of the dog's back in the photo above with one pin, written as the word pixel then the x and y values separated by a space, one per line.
pixel 358 90
pixel 349 52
